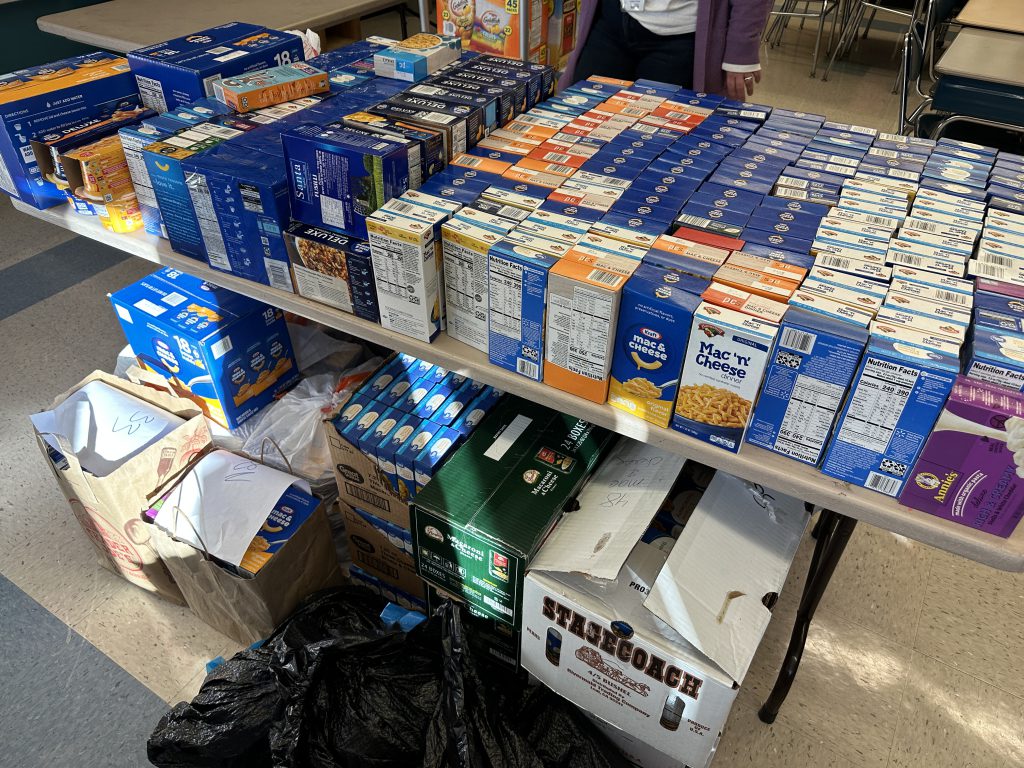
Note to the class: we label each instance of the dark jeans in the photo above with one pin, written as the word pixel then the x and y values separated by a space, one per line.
pixel 619 46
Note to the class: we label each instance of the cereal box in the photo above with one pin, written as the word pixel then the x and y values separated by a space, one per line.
pixel 810 369
pixel 896 396
pixel 583 306
pixel 722 370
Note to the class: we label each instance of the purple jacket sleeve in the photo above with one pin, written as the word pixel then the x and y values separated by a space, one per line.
pixel 747 19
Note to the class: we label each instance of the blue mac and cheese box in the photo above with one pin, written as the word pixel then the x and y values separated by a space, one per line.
pixel 809 370
pixel 40 100
pixel 228 353
pixel 896 397
pixel 339 175
pixel 180 71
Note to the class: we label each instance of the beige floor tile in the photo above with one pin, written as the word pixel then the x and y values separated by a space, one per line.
pixel 747 742
pixel 163 645
pixel 188 691
pixel 847 690
pixel 973 620
pixel 952 720
pixel 25 236
pixel 880 583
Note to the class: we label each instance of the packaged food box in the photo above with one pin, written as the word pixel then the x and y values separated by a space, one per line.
pixel 523 457
pixel 176 72
pixel 267 87
pixel 333 269
pixel 228 353
pixel 417 57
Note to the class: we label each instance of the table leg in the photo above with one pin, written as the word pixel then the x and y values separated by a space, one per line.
pixel 833 532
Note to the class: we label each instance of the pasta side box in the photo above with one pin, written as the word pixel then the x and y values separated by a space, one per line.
pixel 725 360
pixel 896 396
pixel 970 471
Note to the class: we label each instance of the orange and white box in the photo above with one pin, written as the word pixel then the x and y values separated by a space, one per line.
pixel 546 167
pixel 604 260
pixel 579 336
pixel 743 301
pixel 680 246
pixel 767 266
pixel 529 176
pixel 768 286
pixel 483 164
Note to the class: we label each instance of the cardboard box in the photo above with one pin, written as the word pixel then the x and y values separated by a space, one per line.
pixel 465 248
pixel 133 140
pixel 333 269
pixel 512 479
pixel 226 352
pixel 176 72
pixel 725 361
pixel 417 57
pixel 896 396
pixel 582 312
pixel 375 553
pixel 339 175
pixel 594 625
pixel 96 86
pixel 267 87
pixel 997 357
pixel 809 371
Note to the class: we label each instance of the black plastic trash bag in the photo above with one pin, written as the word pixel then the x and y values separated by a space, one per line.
pixel 334 687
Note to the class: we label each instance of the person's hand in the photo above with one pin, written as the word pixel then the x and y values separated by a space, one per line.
pixel 740 85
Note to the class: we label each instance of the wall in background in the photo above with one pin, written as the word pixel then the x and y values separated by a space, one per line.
pixel 22 44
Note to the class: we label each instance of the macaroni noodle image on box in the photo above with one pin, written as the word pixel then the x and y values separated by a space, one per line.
pixel 725 361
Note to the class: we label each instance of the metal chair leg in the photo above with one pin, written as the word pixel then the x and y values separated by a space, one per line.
pixel 871 20
pixel 817 37
pixel 849 30
pixel 403 16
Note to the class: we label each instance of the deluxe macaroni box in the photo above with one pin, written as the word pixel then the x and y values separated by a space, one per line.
pixel 333 269
pixel 896 396
pixel 725 361
pixel 809 370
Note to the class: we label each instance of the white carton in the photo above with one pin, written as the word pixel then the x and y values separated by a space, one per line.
pixel 655 644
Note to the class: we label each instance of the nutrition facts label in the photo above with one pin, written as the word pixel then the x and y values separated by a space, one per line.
pixel 465 277
pixel 578 328
pixel 506 297
pixel 207 218
pixel 876 405
pixel 809 414
pixel 396 267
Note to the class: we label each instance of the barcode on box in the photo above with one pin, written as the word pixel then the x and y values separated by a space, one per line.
pixel 402 207
pixel 470 162
pixel 380 502
pixel 906 258
pixel 952 297
pixel 1003 261
pixel 557 157
pixel 878 482
pixel 798 340
pixel 527 368
pixel 836 262
pixel 605 278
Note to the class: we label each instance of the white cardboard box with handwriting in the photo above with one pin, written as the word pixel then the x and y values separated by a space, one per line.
pixel 657 645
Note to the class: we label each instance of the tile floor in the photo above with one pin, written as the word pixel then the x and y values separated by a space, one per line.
pixel 916 657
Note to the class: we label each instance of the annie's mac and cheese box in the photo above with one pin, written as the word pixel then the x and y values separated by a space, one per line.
pixel 896 396
pixel 657 306
pixel 809 370
pixel 228 353
pixel 722 370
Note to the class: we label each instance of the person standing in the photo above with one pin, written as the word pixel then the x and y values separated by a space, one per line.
pixel 706 45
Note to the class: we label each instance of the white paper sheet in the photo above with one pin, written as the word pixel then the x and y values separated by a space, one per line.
pixel 104 426
pixel 223 502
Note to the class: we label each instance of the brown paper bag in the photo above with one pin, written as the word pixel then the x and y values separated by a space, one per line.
pixel 248 609
pixel 109 508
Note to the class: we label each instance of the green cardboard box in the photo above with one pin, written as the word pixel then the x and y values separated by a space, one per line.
pixel 480 520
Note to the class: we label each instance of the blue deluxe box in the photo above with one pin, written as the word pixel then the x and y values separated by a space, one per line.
pixel 517 286
pixel 233 353
pixel 96 85
pixel 339 176
pixel 243 212
pixel 897 394
pixel 179 71
pixel 809 370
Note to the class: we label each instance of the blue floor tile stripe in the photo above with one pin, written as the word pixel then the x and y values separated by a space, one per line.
pixel 51 271
pixel 64 703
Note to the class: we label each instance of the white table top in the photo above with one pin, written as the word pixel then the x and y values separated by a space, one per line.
pixel 124 25
pixel 1002 15
pixel 754 464
pixel 982 54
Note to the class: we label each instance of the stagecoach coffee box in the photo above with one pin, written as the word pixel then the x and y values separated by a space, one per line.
pixel 654 642
pixel 479 521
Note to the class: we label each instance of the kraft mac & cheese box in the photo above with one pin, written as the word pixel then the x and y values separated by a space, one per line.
pixel 228 353
pixel 579 336
pixel 512 479
pixel 969 470
pixel 333 269
pixel 654 320
pixel 896 396
pixel 176 72
pixel 241 202
pixel 408 273
pixel 517 289
pixel 339 176
pixel 809 371
pixel 725 361
pixel 97 85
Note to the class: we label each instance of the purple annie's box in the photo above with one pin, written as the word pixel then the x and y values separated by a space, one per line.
pixel 966 472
